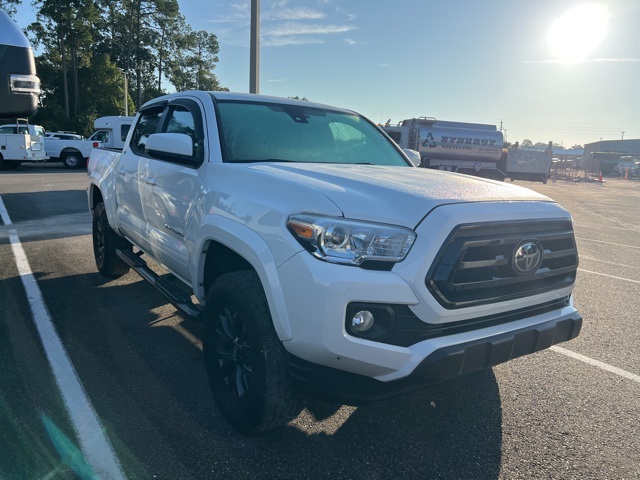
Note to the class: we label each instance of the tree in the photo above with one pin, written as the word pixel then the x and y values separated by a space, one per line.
pixel 86 46
pixel 577 147
pixel 10 6
pixel 193 64
pixel 526 143
pixel 66 31
pixel 171 25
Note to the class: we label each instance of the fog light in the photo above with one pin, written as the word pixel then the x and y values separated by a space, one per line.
pixel 362 321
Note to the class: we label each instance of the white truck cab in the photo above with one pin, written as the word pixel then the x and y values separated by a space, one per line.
pixel 111 131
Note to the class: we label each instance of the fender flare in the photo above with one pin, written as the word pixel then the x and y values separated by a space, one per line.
pixel 66 150
pixel 252 247
pixel 109 204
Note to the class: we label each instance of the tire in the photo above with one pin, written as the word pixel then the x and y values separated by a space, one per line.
pixel 8 165
pixel 72 160
pixel 105 244
pixel 246 363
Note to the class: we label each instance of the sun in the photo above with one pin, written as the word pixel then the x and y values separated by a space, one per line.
pixel 578 32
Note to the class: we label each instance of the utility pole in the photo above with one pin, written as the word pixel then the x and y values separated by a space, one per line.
pixel 254 57
pixel 126 93
pixel 622 135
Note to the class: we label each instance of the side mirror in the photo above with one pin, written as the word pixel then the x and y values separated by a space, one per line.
pixel 413 156
pixel 19 85
pixel 177 147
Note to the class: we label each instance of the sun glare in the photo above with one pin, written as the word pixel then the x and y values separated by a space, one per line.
pixel 578 32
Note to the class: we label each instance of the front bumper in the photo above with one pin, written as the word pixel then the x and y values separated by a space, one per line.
pixel 318 296
pixel 443 364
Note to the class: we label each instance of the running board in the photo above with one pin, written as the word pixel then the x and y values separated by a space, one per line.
pixel 175 295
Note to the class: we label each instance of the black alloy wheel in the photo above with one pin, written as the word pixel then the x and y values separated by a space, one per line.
pixel 246 363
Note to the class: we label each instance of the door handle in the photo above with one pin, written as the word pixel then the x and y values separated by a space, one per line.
pixel 121 171
pixel 151 181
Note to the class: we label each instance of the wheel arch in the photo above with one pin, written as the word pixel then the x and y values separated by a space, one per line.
pixel 95 195
pixel 228 246
pixel 67 150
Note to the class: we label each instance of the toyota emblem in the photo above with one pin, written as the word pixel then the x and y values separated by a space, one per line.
pixel 527 257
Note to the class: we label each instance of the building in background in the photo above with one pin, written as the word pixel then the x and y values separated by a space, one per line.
pixel 604 156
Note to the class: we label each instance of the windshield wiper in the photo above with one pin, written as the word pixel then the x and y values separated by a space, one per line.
pixel 264 160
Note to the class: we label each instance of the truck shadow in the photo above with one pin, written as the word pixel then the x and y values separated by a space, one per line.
pixel 142 368
pixel 450 430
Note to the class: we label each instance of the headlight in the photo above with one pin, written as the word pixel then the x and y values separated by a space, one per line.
pixel 351 242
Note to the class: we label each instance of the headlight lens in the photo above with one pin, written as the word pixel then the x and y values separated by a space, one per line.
pixel 351 242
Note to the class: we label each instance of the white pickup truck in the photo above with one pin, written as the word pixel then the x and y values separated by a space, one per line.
pixel 324 262
pixel 72 152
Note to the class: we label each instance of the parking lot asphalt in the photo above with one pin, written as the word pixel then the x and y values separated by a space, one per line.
pixel 565 413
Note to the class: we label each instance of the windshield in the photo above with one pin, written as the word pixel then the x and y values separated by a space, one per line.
pixel 260 132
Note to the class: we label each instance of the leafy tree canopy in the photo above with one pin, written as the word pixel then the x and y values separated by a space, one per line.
pixel 10 6
pixel 89 45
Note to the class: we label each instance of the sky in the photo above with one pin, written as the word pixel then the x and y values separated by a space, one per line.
pixel 547 70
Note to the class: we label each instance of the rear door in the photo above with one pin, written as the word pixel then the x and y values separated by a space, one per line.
pixel 172 188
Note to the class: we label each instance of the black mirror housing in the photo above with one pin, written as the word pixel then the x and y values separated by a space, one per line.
pixel 19 85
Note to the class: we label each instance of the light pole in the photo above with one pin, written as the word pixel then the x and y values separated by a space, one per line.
pixel 254 56
pixel 126 93
pixel 622 135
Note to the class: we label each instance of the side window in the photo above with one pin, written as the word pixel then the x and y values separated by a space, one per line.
pixel 124 130
pixel 181 120
pixel 147 124
pixel 101 136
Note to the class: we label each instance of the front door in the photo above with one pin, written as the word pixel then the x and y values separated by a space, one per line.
pixel 172 189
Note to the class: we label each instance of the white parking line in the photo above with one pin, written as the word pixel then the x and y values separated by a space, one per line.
pixel 584 257
pixel 597 363
pixel 610 276
pixel 607 243
pixel 93 442
pixel 4 214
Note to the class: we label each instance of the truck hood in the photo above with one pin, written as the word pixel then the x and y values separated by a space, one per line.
pixel 395 195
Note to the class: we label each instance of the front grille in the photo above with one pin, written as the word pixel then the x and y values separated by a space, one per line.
pixel 475 266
